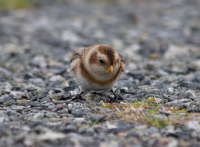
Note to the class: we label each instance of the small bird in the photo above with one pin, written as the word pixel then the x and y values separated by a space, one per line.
pixel 97 68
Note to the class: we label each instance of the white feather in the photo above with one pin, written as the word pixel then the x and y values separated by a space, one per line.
pixel 72 64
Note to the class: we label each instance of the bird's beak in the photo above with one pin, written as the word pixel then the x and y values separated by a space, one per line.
pixel 110 70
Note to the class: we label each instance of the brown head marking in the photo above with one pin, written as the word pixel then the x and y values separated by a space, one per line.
pixel 109 51
pixel 93 57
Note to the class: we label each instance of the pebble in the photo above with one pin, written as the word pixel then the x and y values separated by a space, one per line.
pixel 136 75
pixel 97 117
pixel 5 99
pixel 127 83
pixel 193 125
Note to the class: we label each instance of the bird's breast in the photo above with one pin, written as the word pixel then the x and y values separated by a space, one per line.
pixel 89 82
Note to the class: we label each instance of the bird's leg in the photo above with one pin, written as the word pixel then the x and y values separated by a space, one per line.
pixel 116 96
pixel 78 97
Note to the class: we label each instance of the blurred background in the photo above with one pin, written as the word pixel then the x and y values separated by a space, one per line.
pixel 158 37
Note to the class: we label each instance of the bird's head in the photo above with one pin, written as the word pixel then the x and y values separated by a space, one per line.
pixel 104 61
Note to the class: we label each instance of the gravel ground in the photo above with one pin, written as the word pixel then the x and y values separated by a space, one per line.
pixel 159 99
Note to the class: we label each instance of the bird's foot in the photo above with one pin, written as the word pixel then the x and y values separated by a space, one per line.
pixel 116 97
pixel 78 97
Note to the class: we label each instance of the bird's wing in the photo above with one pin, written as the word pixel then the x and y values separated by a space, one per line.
pixel 122 61
pixel 76 57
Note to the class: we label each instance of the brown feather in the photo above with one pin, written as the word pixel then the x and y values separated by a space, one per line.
pixel 108 51
pixel 80 54
pixel 92 59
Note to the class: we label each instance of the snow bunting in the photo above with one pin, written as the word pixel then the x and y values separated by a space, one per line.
pixel 97 68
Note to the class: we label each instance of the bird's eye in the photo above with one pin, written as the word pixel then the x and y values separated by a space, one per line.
pixel 101 61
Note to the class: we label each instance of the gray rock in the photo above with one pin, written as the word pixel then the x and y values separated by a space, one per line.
pixel 97 117
pixel 45 99
pixel 68 129
pixel 67 95
pixel 79 112
pixel 28 76
pixel 178 68
pixel 184 100
pixel 190 94
pixel 36 80
pixel 5 99
pixel 196 79
pixel 39 61
pixel 57 78
pixel 189 85
pixel 127 83
pixel 69 88
pixel 58 90
pixel 193 125
pixel 193 106
pixel 16 94
pixel 136 75
pixel 38 116
pixel 51 107
pixel 10 102
pixel 152 130
pixel 34 104
pixel 57 96
pixel 51 115
pixel 146 81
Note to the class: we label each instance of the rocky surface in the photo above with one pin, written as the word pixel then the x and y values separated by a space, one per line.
pixel 160 41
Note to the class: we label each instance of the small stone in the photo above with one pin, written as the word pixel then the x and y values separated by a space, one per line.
pixel 179 106
pixel 69 88
pixel 78 113
pixel 158 100
pixel 45 99
pixel 38 116
pixel 16 94
pixel 57 78
pixel 170 89
pixel 5 99
pixel 67 95
pixel 34 104
pixel 10 102
pixel 22 102
pixel 58 90
pixel 193 125
pixel 189 85
pixel 184 100
pixel 152 130
pixel 163 84
pixel 127 83
pixel 136 75
pixel 190 94
pixel 58 96
pixel 97 117
pixel 36 80
pixel 196 79
pixel 51 107
pixel 51 136
pixel 146 81
pixel 60 106
pixel 178 68
pixel 39 61
pixel 117 130
pixel 28 76
pixel 193 106
pixel 132 134
pixel 18 108
pixel 68 129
